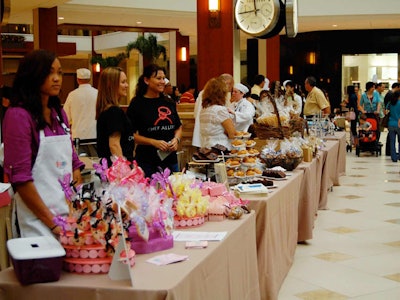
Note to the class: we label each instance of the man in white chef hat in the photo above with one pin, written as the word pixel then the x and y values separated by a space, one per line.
pixel 80 107
pixel 243 110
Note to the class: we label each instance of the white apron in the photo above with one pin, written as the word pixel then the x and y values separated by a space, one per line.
pixel 53 161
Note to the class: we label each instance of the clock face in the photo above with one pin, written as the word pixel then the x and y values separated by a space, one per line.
pixel 291 18
pixel 257 17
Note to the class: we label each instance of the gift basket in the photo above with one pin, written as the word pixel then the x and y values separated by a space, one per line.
pixel 189 204
pixel 286 154
pixel 277 120
pixel 125 206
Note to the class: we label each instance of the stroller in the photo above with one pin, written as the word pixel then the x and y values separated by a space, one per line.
pixel 369 142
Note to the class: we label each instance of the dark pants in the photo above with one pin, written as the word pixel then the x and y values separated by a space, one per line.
pixel 387 148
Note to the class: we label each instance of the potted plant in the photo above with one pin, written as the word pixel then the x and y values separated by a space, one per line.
pixel 148 47
pixel 110 61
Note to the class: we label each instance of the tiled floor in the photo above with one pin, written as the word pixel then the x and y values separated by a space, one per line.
pixel 355 251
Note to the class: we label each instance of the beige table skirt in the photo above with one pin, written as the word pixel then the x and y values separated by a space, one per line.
pixel 224 270
pixel 277 223
pixel 340 136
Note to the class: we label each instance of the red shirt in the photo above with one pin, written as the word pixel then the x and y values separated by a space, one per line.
pixel 187 97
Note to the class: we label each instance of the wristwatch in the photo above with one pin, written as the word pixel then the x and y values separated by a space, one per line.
pixel 259 18
pixel 291 18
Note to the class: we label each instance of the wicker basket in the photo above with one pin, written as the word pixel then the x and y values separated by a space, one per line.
pixel 269 132
pixel 289 163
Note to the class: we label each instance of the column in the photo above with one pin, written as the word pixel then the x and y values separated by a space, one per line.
pixel 45 28
pixel 214 45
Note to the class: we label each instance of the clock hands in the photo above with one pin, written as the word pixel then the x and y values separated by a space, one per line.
pixel 255 7
pixel 249 11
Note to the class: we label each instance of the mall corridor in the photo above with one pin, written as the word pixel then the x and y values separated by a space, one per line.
pixel 355 251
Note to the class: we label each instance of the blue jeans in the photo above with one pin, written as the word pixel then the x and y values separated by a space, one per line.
pixel 393 132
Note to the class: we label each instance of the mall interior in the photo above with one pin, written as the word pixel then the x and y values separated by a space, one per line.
pixel 354 252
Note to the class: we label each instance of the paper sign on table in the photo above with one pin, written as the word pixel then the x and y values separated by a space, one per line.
pixel 166 259
pixel 187 236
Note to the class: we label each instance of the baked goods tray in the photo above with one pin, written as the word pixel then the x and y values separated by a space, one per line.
pixel 206 160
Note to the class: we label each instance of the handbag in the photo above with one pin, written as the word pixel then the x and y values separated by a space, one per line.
pixel 385 120
pixel 350 115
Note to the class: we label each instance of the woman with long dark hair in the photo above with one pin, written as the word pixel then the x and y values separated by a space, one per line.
pixel 38 149
pixel 156 124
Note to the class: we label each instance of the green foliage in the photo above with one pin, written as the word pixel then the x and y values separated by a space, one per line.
pixel 148 47
pixel 110 61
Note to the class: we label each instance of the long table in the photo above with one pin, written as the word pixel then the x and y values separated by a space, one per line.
pixel 309 197
pixel 277 227
pixel 225 270
pixel 340 136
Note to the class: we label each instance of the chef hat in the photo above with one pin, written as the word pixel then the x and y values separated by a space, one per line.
pixel 266 85
pixel 241 87
pixel 166 81
pixel 83 73
pixel 285 82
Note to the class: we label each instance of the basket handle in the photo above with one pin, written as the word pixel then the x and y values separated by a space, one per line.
pixel 277 116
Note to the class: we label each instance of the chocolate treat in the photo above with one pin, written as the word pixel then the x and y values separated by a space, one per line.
pixel 212 156
pixel 220 148
pixel 274 173
pixel 198 156
pixel 205 151
pixel 264 182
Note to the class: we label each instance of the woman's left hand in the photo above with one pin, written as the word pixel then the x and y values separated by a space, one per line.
pixel 173 145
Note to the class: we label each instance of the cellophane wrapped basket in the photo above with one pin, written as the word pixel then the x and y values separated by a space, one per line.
pixel 286 154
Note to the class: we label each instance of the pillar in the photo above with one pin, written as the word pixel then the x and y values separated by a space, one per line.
pixel 45 29
pixel 183 67
pixel 214 45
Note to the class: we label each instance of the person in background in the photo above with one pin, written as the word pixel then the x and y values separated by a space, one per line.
pixel 114 129
pixel 388 97
pixel 364 127
pixel 176 94
pixel 156 124
pixel 38 149
pixel 168 90
pixel 394 125
pixel 316 101
pixel 229 82
pixel 188 96
pixel 370 102
pixel 259 83
pixel 294 100
pixel 216 124
pixel 351 104
pixel 380 88
pixel 80 108
pixel 243 110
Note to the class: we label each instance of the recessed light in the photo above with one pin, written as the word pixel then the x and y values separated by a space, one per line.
pixel 61 18
pixel 139 22
pixel 334 25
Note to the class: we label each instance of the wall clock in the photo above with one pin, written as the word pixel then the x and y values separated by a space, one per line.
pixel 259 18
pixel 291 18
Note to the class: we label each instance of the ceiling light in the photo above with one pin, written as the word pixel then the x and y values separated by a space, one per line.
pixel 61 18
pixel 139 22
pixel 334 25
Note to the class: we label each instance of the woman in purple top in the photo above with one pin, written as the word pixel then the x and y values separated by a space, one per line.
pixel 38 149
